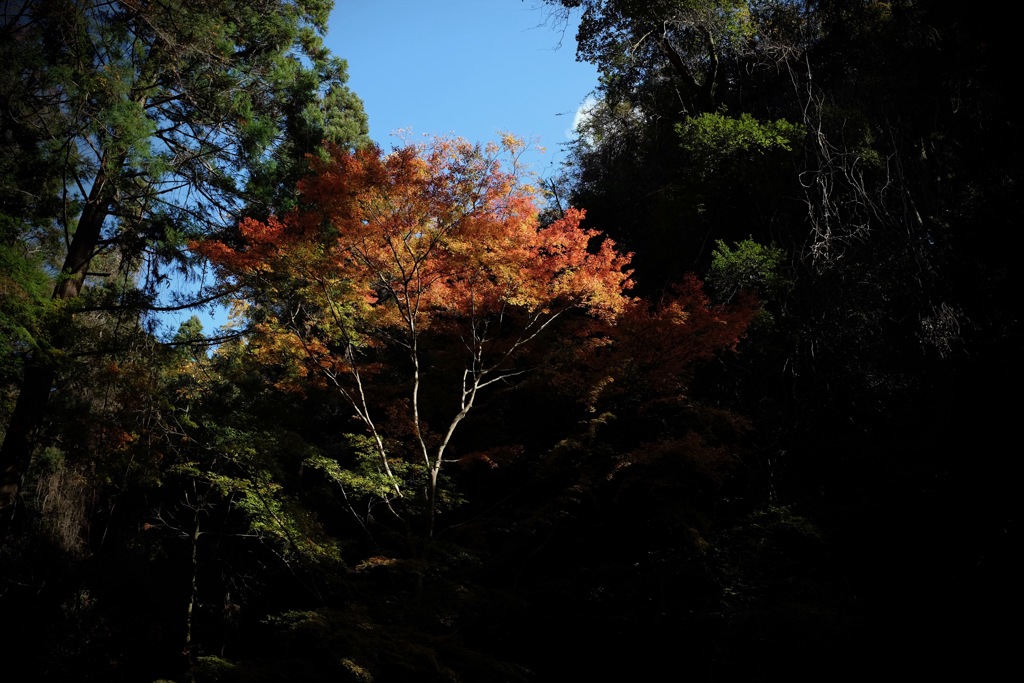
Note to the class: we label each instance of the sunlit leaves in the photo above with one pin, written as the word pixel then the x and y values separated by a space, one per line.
pixel 439 230
pixel 712 138
pixel 748 266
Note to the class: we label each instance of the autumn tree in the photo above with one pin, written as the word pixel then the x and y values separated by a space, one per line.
pixel 392 250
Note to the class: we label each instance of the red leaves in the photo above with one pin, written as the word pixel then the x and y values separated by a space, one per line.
pixel 663 342
pixel 424 231
pixel 650 351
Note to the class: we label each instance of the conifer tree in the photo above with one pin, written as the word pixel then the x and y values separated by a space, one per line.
pixel 136 125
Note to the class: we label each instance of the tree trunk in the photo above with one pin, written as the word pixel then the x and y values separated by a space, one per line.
pixel 190 610
pixel 40 373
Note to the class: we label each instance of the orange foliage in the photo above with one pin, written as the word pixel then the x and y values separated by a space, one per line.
pixel 426 232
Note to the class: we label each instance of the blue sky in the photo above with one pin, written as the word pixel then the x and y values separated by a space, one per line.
pixel 463 67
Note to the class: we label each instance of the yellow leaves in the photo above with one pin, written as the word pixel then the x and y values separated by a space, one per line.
pixel 512 143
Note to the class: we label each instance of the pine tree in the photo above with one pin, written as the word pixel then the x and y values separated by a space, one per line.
pixel 143 125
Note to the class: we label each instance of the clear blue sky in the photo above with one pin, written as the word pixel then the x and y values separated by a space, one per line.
pixel 463 67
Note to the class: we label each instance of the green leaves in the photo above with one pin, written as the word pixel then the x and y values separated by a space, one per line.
pixel 719 134
pixel 748 266
pixel 716 143
pixel 177 106
pixel 243 467
pixel 24 300
pixel 366 476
